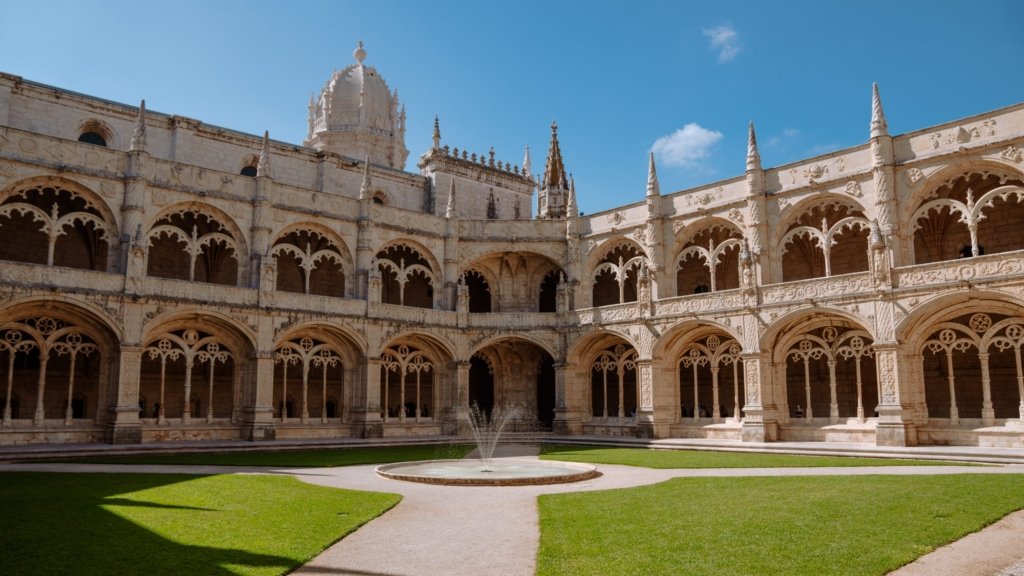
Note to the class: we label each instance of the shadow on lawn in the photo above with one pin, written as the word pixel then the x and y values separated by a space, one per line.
pixel 60 524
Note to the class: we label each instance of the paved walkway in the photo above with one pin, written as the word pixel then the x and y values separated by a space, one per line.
pixel 480 531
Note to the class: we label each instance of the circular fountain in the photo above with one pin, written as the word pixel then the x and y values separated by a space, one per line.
pixel 485 471
pixel 473 473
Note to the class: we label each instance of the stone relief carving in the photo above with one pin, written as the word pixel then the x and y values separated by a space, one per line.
pixel 752 382
pixel 7 170
pixel 28 145
pixel 966 271
pixel 914 175
pixel 736 215
pixel 616 218
pixel 1012 154
pixel 822 288
pixel 887 374
pixel 853 189
pixel 677 225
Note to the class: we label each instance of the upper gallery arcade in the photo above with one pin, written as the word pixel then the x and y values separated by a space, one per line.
pixel 165 279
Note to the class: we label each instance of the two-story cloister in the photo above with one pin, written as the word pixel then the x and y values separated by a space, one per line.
pixel 165 279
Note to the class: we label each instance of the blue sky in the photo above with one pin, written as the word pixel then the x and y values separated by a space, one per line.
pixel 618 77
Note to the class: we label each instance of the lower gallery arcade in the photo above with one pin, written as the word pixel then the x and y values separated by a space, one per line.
pixel 958 376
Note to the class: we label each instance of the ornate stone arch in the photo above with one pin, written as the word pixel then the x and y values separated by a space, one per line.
pixel 73 344
pixel 965 210
pixel 74 225
pixel 195 362
pixel 707 256
pixel 546 346
pixel 312 250
pixel 220 243
pixel 925 188
pixel 614 271
pixel 400 281
pixel 840 234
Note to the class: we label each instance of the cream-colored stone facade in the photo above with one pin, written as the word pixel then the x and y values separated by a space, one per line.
pixel 164 279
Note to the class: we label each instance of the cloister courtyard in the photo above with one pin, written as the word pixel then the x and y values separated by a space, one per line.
pixel 687 508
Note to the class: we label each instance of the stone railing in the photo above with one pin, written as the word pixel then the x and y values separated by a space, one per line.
pixel 321 304
pixel 37 275
pixel 513 320
pixel 609 314
pixel 411 315
pixel 201 291
pixel 819 288
pixel 982 268
pixel 693 303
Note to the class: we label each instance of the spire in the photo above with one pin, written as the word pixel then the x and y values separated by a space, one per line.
pixel 570 200
pixel 359 54
pixel 653 189
pixel 450 212
pixel 437 131
pixel 753 156
pixel 263 166
pixel 139 136
pixel 366 189
pixel 554 170
pixel 879 127
pixel 526 161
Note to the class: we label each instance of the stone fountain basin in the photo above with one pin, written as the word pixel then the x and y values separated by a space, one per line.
pixel 511 472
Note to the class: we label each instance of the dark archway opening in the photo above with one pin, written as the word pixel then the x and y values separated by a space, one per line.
pixel 481 384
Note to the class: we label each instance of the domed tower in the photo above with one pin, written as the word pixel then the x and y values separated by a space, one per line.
pixel 357 116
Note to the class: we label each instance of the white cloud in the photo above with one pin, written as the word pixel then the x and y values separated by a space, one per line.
pixel 790 132
pixel 687 147
pixel 725 40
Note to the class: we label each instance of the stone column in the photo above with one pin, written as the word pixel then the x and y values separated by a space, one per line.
pixel 258 398
pixel 123 422
pixel 891 431
pixel 754 425
pixel 568 415
pixel 366 421
pixel 656 406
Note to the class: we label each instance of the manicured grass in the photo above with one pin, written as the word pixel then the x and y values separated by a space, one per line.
pixel 172 524
pixel 790 526
pixel 703 459
pixel 294 458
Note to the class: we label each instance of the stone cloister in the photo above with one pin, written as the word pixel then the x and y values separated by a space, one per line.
pixel 163 279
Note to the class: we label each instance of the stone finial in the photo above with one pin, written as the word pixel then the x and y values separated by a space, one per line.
pixel 490 156
pixel 359 54
pixel 879 127
pixel 263 165
pixel 570 200
pixel 451 210
pixel 437 133
pixel 366 188
pixel 139 135
pixel 753 156
pixel 653 188
pixel 526 160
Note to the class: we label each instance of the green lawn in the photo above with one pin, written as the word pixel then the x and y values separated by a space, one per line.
pixel 172 524
pixel 788 526
pixel 703 459
pixel 295 458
